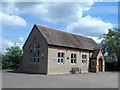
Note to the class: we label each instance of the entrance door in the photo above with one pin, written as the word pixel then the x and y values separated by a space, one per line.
pixel 100 65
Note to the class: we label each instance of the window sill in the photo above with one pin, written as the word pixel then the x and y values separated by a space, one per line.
pixel 61 63
pixel 84 63
pixel 73 64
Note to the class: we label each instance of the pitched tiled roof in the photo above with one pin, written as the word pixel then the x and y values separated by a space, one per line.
pixel 95 54
pixel 65 39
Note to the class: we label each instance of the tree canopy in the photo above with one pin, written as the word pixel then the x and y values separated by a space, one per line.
pixel 10 59
pixel 111 45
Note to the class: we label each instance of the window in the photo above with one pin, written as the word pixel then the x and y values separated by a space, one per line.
pixel 93 63
pixel 73 58
pixel 84 59
pixel 30 55
pixel 34 58
pixel 60 58
pixel 38 53
pixel 34 53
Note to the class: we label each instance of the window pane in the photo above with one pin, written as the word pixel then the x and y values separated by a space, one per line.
pixel 58 54
pixel 38 46
pixel 74 60
pixel 58 60
pixel 74 55
pixel 61 60
pixel 38 53
pixel 30 47
pixel 82 61
pixel 34 59
pixel 85 56
pixel 31 51
pixel 92 63
pixel 30 59
pixel 82 56
pixel 71 60
pixel 37 59
pixel 34 55
pixel 62 54
pixel 71 55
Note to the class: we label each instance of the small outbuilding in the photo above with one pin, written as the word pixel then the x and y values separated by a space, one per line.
pixel 50 51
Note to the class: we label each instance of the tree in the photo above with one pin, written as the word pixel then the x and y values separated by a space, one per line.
pixel 5 62
pixel 111 44
pixel 0 61
pixel 11 58
pixel 0 57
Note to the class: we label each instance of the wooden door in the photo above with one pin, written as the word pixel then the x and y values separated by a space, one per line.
pixel 100 65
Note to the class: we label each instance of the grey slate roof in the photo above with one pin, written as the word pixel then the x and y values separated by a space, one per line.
pixel 65 39
pixel 95 54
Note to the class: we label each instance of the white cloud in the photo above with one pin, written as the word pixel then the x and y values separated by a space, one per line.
pixel 96 39
pixel 12 20
pixel 21 42
pixel 56 11
pixel 69 13
pixel 60 12
pixel 86 4
pixel 90 26
pixel 58 0
pixel 9 8
pixel 4 43
pixel 98 0
pixel 21 39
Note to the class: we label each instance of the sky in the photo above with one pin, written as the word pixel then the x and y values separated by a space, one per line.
pixel 90 18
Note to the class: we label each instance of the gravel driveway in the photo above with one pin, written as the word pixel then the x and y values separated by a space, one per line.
pixel 90 80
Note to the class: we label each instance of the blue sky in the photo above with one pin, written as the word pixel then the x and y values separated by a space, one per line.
pixel 90 19
pixel 105 10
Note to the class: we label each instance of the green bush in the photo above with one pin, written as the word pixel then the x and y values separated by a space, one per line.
pixel 112 66
pixel 11 59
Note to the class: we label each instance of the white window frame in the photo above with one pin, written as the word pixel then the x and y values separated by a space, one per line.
pixel 84 59
pixel 74 59
pixel 60 58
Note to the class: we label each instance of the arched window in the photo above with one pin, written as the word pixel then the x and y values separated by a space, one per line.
pixel 34 52
pixel 30 54
pixel 38 53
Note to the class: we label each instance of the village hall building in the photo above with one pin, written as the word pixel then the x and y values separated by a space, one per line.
pixel 50 51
